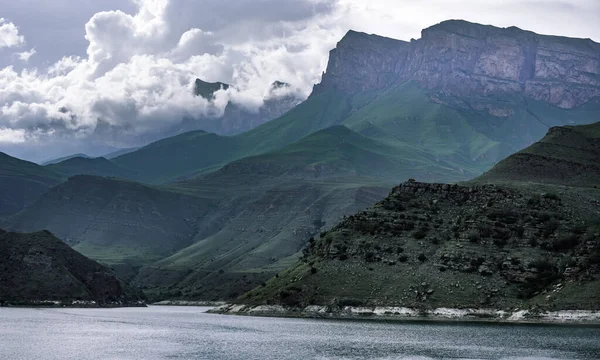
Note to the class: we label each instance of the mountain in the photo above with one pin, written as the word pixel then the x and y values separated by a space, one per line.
pixel 38 268
pixel 568 155
pixel 120 152
pixel 90 166
pixel 430 246
pixel 118 223
pixel 385 111
pixel 21 182
pixel 207 90
pixel 467 93
pixel 61 159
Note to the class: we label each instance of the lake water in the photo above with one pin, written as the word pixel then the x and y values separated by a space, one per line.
pixel 189 333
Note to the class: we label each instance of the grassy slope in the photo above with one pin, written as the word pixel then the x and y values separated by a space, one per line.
pixel 567 155
pixel 21 182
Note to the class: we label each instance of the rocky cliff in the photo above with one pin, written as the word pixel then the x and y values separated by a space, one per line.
pixel 459 58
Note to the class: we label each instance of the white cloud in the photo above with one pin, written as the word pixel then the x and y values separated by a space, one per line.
pixel 9 35
pixel 26 55
pixel 11 136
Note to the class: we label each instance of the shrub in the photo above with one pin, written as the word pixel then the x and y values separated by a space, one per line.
pixel 313 270
pixel 399 250
pixel 403 258
pixel 534 200
pixel 484 230
pixel 420 234
pixel 474 237
pixel 369 256
pixel 551 196
pixel 550 228
pixel 500 242
pixel 565 243
pixel 579 229
pixel 519 231
pixel 422 257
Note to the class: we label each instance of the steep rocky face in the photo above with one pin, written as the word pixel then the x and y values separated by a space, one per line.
pixel 459 58
pixel 236 119
pixel 39 267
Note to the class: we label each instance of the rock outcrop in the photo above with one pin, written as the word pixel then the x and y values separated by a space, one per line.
pixel 459 58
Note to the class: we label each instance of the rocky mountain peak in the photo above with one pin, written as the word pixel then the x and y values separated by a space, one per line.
pixel 464 59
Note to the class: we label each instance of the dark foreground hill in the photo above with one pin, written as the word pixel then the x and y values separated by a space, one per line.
pixel 438 245
pixel 39 268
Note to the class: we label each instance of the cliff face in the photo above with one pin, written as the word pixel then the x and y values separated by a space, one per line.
pixel 461 58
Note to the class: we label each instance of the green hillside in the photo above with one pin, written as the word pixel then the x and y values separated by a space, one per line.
pixel 117 223
pixel 568 155
pixel 21 182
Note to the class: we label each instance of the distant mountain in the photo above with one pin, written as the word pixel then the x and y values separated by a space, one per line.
pixel 90 166
pixel 39 268
pixel 61 159
pixel 21 182
pixel 120 152
pixel 568 155
pixel 119 223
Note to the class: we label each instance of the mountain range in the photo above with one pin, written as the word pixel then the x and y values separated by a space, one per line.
pixel 209 214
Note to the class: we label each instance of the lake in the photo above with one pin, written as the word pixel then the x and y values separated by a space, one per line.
pixel 188 333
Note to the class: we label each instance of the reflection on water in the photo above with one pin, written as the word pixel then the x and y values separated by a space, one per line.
pixel 188 333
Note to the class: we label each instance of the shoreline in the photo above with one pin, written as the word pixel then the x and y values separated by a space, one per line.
pixel 189 303
pixel 401 314
pixel 83 304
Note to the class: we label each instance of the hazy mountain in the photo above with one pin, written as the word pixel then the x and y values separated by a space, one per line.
pixel 21 182
pixel 40 267
pixel 63 158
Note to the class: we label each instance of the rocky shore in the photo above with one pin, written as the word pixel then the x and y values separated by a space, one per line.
pixel 404 313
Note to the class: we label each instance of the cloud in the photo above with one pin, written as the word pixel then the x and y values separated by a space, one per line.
pixel 126 69
pixel 26 55
pixel 11 136
pixel 9 35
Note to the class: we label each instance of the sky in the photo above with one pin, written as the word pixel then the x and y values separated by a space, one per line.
pixel 94 75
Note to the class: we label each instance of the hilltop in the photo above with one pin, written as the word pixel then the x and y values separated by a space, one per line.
pixel 567 155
